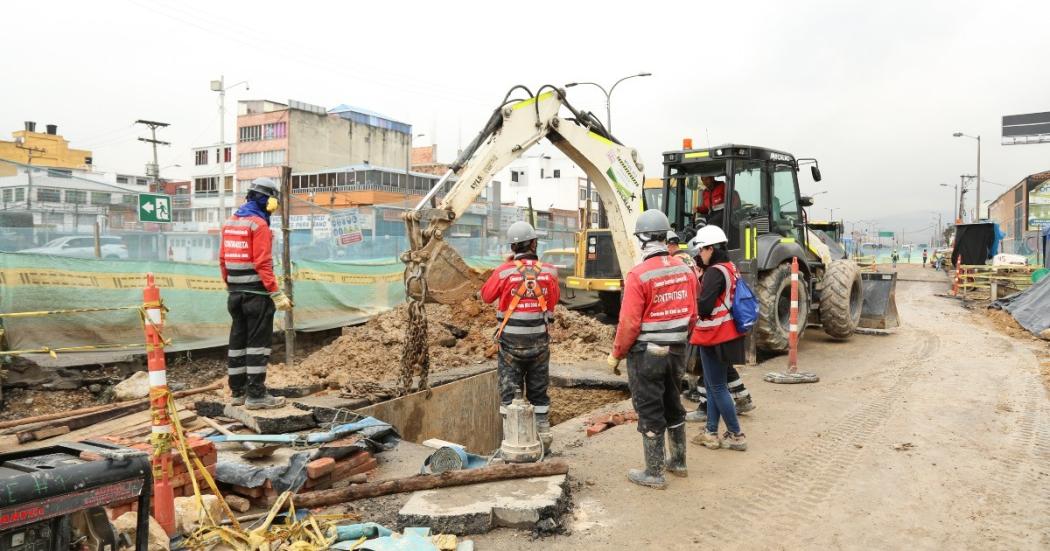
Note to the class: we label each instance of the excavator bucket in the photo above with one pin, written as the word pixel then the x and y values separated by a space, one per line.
pixel 880 301
pixel 450 280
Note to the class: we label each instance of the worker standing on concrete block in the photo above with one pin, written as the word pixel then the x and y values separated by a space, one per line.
pixel 246 262
pixel 659 307
pixel 720 343
pixel 527 290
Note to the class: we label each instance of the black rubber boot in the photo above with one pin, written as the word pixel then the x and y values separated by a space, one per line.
pixel 676 445
pixel 652 476
pixel 237 388
pixel 258 398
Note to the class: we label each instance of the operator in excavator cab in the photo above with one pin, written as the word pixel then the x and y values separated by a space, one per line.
pixel 657 312
pixel 527 290
pixel 714 195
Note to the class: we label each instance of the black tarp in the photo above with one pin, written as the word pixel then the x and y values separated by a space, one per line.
pixel 974 242
pixel 1031 308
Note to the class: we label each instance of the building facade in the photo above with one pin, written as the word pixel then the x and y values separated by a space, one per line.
pixel 1022 212
pixel 551 180
pixel 205 165
pixel 308 138
pixel 46 149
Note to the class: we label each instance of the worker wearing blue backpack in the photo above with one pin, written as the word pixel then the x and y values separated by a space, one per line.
pixel 727 311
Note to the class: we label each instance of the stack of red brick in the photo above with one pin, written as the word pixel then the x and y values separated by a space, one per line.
pixel 181 484
pixel 321 474
pixel 604 421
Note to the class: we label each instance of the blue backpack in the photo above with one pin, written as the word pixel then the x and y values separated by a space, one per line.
pixel 745 306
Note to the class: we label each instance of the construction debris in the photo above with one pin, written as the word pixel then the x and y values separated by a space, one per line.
pixel 132 388
pixel 606 421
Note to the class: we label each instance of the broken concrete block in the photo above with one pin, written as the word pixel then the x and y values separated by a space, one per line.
pixel 132 388
pixel 158 538
pixel 282 420
pixel 478 508
pixel 188 513
pixel 328 408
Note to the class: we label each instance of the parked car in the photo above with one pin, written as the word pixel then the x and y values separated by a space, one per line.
pixel 111 247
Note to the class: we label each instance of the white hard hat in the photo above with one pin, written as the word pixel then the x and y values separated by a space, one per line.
pixel 652 221
pixel 705 237
pixel 265 186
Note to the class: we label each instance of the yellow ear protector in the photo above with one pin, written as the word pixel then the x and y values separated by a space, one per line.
pixel 271 204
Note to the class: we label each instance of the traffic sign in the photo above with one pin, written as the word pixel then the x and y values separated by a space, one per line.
pixel 154 207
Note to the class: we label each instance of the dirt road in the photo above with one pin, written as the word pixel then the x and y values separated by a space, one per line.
pixel 935 437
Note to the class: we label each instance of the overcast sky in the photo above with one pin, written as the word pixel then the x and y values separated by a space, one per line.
pixel 874 90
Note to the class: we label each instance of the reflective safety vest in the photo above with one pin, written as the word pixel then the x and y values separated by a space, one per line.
pixel 527 291
pixel 245 257
pixel 719 327
pixel 659 304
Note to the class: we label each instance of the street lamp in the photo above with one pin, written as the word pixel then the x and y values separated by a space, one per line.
pixel 220 87
pixel 978 138
pixel 608 95
pixel 955 201
pixel 608 128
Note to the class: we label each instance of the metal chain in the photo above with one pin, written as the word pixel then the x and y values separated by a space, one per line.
pixel 415 356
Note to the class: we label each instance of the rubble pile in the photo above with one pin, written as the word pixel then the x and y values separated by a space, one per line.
pixel 458 335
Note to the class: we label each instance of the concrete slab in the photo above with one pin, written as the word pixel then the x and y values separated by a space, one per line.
pixel 586 375
pixel 263 421
pixel 478 508
pixel 328 407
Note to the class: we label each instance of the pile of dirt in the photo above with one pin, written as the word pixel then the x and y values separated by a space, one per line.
pixel 1006 323
pixel 458 335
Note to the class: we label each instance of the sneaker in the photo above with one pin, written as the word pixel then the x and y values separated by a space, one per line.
pixel 708 440
pixel 697 416
pixel 737 442
pixel 744 405
pixel 266 402
pixel 237 400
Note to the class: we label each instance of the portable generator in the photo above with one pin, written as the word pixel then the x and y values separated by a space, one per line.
pixel 52 500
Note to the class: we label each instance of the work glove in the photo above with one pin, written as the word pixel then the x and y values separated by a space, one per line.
pixel 281 301
pixel 614 363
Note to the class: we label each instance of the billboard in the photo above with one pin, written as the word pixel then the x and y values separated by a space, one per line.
pixel 1039 207
pixel 1027 128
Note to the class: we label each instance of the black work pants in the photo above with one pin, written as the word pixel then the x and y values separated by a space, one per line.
pixel 653 375
pixel 251 335
pixel 527 364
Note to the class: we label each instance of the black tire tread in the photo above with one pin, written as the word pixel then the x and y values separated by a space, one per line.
pixel 835 299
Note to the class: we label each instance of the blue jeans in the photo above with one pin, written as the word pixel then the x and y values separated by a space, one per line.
pixel 719 402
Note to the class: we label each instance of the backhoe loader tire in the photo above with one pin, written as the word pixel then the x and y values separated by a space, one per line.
pixel 841 299
pixel 774 308
pixel 610 303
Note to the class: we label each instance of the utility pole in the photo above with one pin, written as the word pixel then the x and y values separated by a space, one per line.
pixel 153 170
pixel 29 172
pixel 220 87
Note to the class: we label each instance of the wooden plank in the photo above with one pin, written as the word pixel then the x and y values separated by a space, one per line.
pixel 466 411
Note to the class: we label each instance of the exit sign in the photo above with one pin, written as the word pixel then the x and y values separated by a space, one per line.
pixel 154 207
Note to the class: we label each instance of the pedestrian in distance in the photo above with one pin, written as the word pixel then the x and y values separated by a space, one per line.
pixel 658 308
pixel 894 257
pixel 721 344
pixel 924 256
pixel 246 264
pixel 527 291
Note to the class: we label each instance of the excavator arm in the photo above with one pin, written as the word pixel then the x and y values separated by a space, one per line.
pixel 434 270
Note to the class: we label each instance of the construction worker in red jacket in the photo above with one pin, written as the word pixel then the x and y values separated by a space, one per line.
pixel 246 263
pixel 658 309
pixel 527 290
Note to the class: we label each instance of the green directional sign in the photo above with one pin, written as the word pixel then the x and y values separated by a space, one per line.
pixel 886 234
pixel 154 207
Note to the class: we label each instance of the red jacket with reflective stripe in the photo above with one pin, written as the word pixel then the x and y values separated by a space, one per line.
pixel 719 327
pixel 245 255
pixel 659 304
pixel 527 317
pixel 711 198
